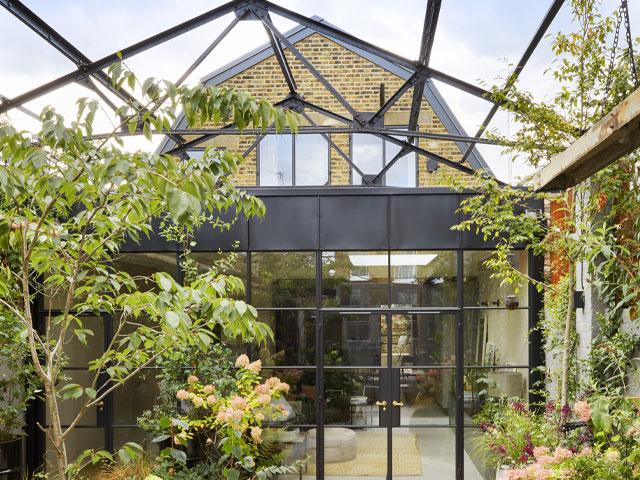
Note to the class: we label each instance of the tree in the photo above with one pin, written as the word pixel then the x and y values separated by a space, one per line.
pixel 74 199
pixel 587 88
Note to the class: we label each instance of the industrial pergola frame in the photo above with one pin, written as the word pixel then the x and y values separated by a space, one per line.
pixel 91 75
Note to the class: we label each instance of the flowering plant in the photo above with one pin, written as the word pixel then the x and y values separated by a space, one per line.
pixel 233 420
pixel 429 383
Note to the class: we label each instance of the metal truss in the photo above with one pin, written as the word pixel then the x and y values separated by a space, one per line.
pixel 90 74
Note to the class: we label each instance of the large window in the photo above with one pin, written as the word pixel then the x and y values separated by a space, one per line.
pixel 371 154
pixel 293 160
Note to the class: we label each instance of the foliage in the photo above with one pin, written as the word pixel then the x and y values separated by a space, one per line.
pixel 76 198
pixel 232 421
pixel 605 441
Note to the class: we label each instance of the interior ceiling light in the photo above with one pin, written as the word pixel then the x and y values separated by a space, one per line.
pixel 381 260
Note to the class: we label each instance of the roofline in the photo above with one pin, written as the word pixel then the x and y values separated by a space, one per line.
pixel 255 56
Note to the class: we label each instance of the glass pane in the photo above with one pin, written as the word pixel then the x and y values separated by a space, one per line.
pixel 275 160
pixel 225 263
pixel 496 337
pixel 424 453
pixel 70 408
pixel 134 397
pixel 312 160
pixel 79 440
pixel 423 339
pixel 403 171
pixel 294 338
pixel 296 444
pixel 122 435
pixel 423 278
pixel 300 400
pixel 480 290
pixel 355 340
pixel 78 354
pixel 480 384
pixel 283 279
pixel 355 452
pixel 475 467
pixel 356 279
pixel 428 395
pixel 142 266
pixel 351 396
pixel 366 154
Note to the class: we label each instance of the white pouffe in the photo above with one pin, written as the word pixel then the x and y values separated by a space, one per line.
pixel 340 444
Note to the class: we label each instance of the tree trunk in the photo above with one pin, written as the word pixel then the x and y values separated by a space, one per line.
pixel 56 430
pixel 566 350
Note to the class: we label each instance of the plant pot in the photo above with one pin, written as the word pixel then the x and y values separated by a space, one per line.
pixel 501 471
pixel 11 467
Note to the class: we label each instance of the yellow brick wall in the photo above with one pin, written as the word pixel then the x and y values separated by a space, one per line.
pixel 358 81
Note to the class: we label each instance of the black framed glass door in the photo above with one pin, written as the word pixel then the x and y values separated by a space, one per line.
pixel 388 383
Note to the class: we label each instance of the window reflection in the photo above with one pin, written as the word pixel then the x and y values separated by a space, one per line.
pixel 424 278
pixel 366 153
pixel 355 279
pixel 224 263
pixel 283 279
pixel 496 337
pixel 312 160
pixel 481 290
pixel 275 160
pixel 354 340
pixel 294 340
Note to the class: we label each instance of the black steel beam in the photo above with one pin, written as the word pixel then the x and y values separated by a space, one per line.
pixel 282 60
pixel 93 67
pixel 300 102
pixel 24 110
pixel 410 65
pixel 306 130
pixel 394 98
pixel 533 44
pixel 311 68
pixel 256 142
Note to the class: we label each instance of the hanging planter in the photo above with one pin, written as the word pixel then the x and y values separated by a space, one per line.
pixel 11 467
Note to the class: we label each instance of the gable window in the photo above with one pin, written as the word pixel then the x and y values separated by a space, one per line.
pixel 371 154
pixel 285 160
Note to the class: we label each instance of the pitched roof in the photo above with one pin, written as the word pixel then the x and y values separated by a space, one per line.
pixel 431 93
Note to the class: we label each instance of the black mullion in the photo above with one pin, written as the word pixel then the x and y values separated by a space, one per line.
pixel 389 380
pixel 329 162
pixel 320 398
pixel 536 304
pixel 459 428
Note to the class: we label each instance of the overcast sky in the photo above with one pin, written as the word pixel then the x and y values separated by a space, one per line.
pixel 476 40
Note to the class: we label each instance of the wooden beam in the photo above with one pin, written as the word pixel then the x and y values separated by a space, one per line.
pixel 616 135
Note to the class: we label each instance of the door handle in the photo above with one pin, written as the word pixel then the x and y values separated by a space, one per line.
pixel 383 405
pixel 398 404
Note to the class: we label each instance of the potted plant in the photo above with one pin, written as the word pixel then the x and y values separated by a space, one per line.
pixel 17 388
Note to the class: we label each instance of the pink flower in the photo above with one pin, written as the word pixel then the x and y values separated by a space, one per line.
pixel 256 434
pixel 242 361
pixel 273 382
pixel 198 401
pixel 222 417
pixel 515 474
pixel 586 451
pixel 540 451
pixel 262 389
pixel 180 438
pixel 561 454
pixel 237 414
pixel 283 387
pixel 192 379
pixel 259 416
pixel 182 395
pixel 583 410
pixel 545 460
pixel 264 399
pixel 209 389
pixel 612 455
pixel 239 402
pixel 211 399
pixel 255 367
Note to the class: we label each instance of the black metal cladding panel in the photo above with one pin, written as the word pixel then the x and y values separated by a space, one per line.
pixel 154 243
pixel 353 222
pixel 291 223
pixel 210 239
pixel 423 222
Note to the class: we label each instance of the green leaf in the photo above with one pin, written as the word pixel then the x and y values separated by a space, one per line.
pixel 91 393
pixel 172 319
pixel 179 455
pixel 232 474
pixel 180 423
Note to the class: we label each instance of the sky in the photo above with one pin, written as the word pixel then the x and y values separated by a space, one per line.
pixel 476 41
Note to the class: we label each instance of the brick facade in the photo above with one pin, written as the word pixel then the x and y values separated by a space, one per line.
pixel 358 80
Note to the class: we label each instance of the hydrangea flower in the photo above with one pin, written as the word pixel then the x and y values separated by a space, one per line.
pixel 192 379
pixel 583 410
pixel 242 361
pixel 182 395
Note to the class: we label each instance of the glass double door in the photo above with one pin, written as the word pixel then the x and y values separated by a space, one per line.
pixel 388 395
